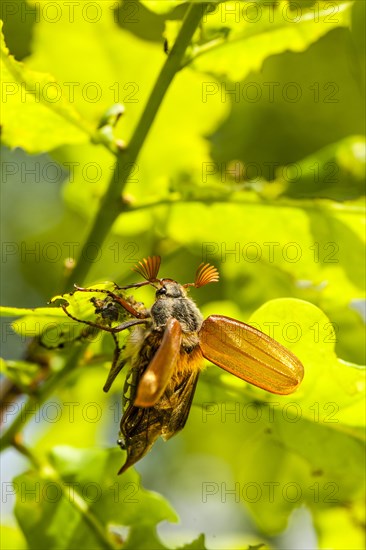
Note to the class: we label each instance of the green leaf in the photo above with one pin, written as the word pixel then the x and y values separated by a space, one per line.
pixel 54 325
pixel 82 491
pixel 51 323
pixel 240 40
pixel 307 331
pixel 34 312
pixel 35 114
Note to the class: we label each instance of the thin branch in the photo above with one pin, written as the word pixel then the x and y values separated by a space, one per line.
pixel 26 451
pixel 34 402
pixel 304 204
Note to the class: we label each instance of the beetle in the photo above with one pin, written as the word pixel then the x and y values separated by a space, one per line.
pixel 166 350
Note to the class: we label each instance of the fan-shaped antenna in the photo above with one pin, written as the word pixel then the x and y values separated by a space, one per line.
pixel 148 268
pixel 206 273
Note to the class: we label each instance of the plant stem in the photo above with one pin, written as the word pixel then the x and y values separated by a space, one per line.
pixel 322 205
pixel 111 204
pixel 33 403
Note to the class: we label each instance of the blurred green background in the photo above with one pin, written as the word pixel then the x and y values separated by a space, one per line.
pixel 255 163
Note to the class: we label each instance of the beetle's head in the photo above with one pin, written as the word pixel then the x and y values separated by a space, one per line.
pixel 167 288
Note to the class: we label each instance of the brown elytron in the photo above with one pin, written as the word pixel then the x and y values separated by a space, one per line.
pixel 165 352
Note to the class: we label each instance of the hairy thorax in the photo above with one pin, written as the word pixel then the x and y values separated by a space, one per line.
pixel 143 342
